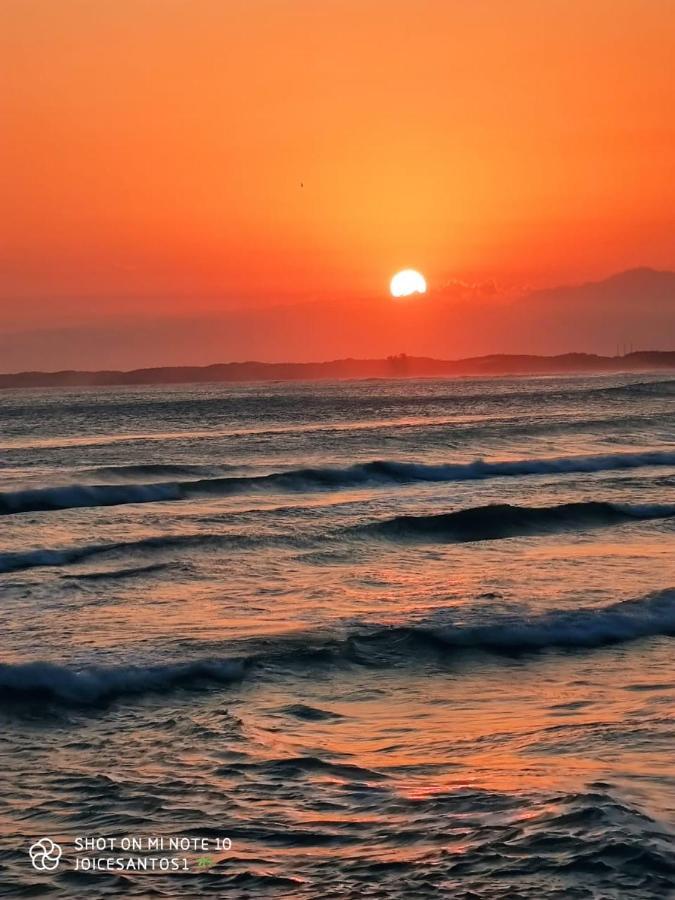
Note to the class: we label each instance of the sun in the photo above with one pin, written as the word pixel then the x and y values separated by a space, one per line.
pixel 407 282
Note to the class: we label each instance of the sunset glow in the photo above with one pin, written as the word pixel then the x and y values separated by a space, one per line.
pixel 218 162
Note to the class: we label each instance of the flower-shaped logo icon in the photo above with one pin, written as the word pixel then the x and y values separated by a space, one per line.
pixel 45 855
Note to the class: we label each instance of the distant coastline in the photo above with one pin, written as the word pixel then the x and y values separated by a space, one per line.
pixel 400 366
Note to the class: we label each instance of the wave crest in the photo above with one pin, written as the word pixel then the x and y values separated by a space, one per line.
pixel 504 520
pixel 579 629
pixel 382 472
pixel 98 685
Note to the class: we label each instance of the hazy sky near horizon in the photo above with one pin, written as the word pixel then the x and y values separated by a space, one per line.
pixel 171 158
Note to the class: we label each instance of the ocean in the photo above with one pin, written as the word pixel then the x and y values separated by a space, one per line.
pixel 363 639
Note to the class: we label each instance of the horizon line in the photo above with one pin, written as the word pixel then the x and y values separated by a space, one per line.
pixel 392 366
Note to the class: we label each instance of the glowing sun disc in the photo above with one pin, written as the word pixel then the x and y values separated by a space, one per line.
pixel 407 282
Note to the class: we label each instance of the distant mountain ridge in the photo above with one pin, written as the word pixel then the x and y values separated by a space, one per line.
pixel 631 284
pixel 400 366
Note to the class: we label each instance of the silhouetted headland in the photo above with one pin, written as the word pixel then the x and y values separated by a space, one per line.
pixel 400 366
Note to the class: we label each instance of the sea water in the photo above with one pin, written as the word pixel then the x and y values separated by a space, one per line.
pixel 388 639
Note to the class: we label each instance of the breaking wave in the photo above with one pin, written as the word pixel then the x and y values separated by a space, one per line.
pixel 81 495
pixel 99 685
pixel 503 520
pixel 382 472
pixel 579 629
pixel 664 387
pixel 33 559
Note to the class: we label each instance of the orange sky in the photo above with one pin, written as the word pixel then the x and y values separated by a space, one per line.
pixel 153 150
